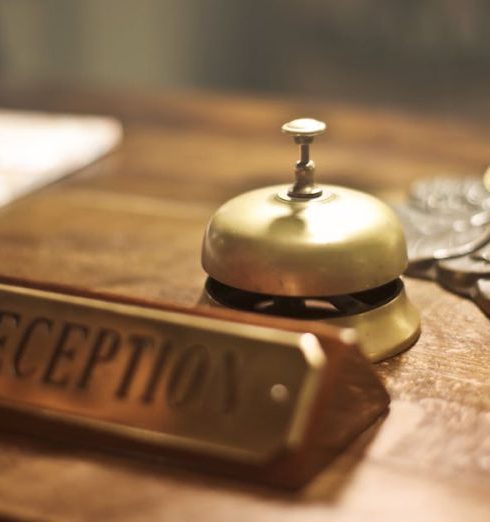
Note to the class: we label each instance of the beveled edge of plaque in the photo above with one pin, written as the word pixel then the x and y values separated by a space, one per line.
pixel 316 358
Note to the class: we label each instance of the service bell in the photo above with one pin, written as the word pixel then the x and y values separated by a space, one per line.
pixel 313 251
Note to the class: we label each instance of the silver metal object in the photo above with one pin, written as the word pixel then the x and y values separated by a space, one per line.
pixel 303 131
pixel 452 196
pixel 445 217
pixel 432 236
pixel 482 295
pixel 447 227
pixel 461 274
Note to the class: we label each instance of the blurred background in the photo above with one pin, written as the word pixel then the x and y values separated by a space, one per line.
pixel 432 54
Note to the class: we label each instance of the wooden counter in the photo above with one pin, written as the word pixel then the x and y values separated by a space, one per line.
pixel 132 224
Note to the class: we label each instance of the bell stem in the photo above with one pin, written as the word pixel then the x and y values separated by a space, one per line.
pixel 304 153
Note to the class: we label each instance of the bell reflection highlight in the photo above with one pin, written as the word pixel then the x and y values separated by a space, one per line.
pixel 275 250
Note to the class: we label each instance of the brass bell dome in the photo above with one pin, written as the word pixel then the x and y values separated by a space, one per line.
pixel 341 242
pixel 291 243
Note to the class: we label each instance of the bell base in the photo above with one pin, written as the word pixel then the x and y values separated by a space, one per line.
pixel 385 320
pixel 384 331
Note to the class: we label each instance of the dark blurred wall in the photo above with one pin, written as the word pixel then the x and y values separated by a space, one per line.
pixel 392 50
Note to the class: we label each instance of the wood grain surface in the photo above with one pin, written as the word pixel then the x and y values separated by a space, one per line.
pixel 132 224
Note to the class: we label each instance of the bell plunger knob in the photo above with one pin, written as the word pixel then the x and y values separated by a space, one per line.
pixel 303 131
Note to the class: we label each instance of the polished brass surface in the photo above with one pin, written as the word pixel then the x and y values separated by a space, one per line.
pixel 385 321
pixel 385 330
pixel 275 249
pixel 348 242
pixel 182 381
pixel 250 400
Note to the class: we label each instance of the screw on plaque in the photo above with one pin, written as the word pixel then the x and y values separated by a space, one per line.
pixel 303 132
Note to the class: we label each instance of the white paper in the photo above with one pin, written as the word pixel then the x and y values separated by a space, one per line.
pixel 39 148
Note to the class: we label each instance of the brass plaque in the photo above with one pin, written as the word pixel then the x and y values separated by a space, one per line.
pixel 235 391
pixel 273 404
